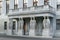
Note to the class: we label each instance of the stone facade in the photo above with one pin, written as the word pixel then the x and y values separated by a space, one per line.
pixel 34 18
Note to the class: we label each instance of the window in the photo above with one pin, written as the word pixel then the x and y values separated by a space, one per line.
pixel 45 2
pixel 58 7
pixel 7 6
pixel 13 27
pixel 25 4
pixel 0 6
pixel 58 24
pixel 15 4
pixel 5 25
pixel 35 2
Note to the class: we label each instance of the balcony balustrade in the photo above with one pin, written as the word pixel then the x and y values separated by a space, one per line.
pixel 38 9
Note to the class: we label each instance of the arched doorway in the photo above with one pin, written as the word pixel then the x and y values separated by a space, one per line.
pixel 14 27
pixel 26 26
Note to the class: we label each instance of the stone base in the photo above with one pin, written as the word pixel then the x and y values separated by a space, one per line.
pixel 46 32
pixel 32 33
pixel 20 32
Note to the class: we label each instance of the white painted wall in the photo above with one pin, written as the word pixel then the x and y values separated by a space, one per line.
pixel 3 18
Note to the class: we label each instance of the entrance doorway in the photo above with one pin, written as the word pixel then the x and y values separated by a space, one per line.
pixel 39 26
pixel 26 26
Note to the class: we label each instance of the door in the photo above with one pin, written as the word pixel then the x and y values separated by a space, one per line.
pixel 26 27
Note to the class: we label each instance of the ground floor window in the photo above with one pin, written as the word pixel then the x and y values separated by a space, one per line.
pixel 5 25
pixel 58 25
pixel 13 27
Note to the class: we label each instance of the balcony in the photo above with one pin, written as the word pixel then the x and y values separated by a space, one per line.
pixel 40 9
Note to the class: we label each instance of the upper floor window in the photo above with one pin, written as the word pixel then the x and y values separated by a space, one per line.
pixel 35 2
pixel 13 25
pixel 58 24
pixel 0 6
pixel 7 6
pixel 58 7
pixel 15 4
pixel 25 4
pixel 46 2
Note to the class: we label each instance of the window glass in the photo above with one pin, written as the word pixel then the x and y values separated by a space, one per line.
pixel 58 7
pixel 35 2
pixel 5 25
pixel 25 4
pixel 46 2
pixel 7 6
pixel 15 4
pixel 13 25
pixel 58 24
pixel 0 6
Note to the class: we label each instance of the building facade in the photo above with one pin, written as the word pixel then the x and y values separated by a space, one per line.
pixel 30 18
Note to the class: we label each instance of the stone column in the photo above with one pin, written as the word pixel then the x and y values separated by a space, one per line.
pixel 32 27
pixel 46 25
pixel 10 27
pixel 20 28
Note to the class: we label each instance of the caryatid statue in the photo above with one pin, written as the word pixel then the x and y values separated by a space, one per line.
pixel 46 25
pixel 32 27
pixel 20 28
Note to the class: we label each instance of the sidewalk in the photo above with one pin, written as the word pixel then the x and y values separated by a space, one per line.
pixel 5 37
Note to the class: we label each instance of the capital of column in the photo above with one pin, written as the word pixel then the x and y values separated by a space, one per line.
pixel 32 18
pixel 20 18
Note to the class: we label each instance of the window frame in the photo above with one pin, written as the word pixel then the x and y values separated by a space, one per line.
pixel 24 4
pixel 5 25
pixel 13 26
pixel 35 3
pixel 15 4
pixel 46 2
